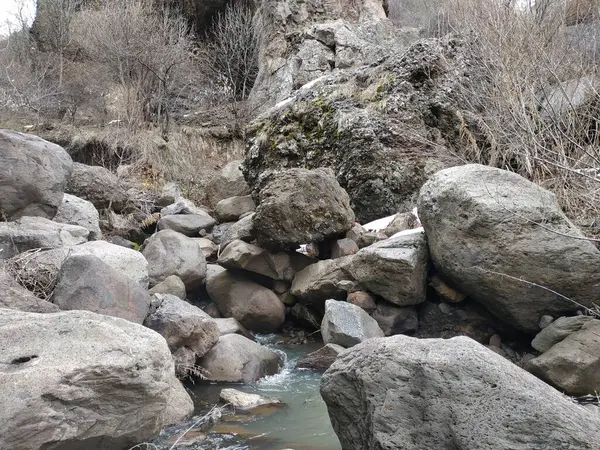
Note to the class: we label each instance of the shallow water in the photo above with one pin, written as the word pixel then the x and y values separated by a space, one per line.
pixel 301 424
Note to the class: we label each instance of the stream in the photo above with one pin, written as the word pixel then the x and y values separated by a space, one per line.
pixel 302 423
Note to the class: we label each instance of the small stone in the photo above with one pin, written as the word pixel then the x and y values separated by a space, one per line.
pixel 445 308
pixel 495 341
pixel 362 299
pixel 545 320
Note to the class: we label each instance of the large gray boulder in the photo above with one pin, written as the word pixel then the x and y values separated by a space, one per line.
pixel 251 304
pixel 228 182
pixel 33 175
pixel 238 359
pixel 241 255
pixel 183 325
pixel 232 208
pixel 346 324
pixel 187 224
pixel 321 281
pixel 415 394
pixel 76 379
pixel 300 206
pixel 573 364
pixel 86 282
pixel 28 233
pixel 171 253
pixel 395 268
pixel 99 186
pixel 505 242
pixel 77 211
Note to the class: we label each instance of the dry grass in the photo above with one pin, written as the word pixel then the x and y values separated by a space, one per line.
pixel 33 274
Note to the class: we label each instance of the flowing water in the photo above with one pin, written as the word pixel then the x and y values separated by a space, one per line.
pixel 301 424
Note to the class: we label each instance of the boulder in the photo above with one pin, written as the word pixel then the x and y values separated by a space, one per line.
pixel 238 359
pixel 171 285
pixel 320 359
pixel 244 401
pixel 231 326
pixel 557 331
pixel 573 364
pixel 74 380
pixel 171 253
pixel 241 255
pixel 415 394
pixel 383 129
pixel 253 305
pixel 321 281
pixel 506 243
pixel 77 211
pixel 85 282
pixel 99 186
pixel 365 300
pixel 33 176
pixel 395 320
pixel 242 230
pixel 299 206
pixel 395 269
pixel 14 296
pixel 229 182
pixel 347 325
pixel 232 208
pixel 183 325
pixel 187 224
pixel 343 247
pixel 28 233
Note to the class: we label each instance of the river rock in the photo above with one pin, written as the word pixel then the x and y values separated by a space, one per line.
pixel 232 208
pixel 183 325
pixel 28 233
pixel 244 401
pixel 347 325
pixel 253 305
pixel 242 230
pixel 557 331
pixel 320 359
pixel 14 296
pixel 237 359
pixel 99 186
pixel 171 253
pixel 231 326
pixel 86 282
pixel 573 364
pixel 172 285
pixel 299 206
pixel 229 182
pixel 241 255
pixel 63 372
pixel 395 269
pixel 485 225
pixel 321 281
pixel 77 211
pixel 420 394
pixel 395 320
pixel 33 176
pixel 187 224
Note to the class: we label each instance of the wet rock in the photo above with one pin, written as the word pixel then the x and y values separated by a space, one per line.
pixel 98 186
pixel 183 325
pixel 253 305
pixel 557 331
pixel 242 400
pixel 28 233
pixel 33 176
pixel 496 235
pixel 241 255
pixel 395 320
pixel 171 253
pixel 77 211
pixel 347 325
pixel 395 269
pixel 187 224
pixel 321 281
pixel 229 182
pixel 297 206
pixel 232 208
pixel 62 372
pixel 85 282
pixel 237 359
pixel 363 299
pixel 320 359
pixel 172 285
pixel 425 393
